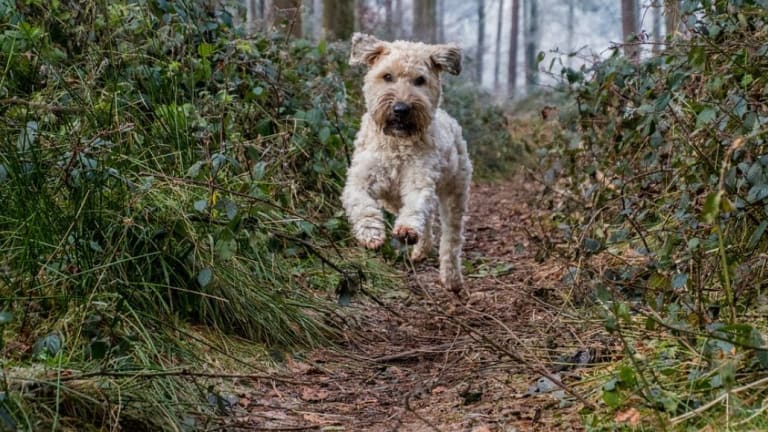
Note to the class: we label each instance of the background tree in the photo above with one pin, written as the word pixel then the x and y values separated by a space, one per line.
pixel 286 16
pixel 497 62
pixel 629 29
pixel 338 19
pixel 425 20
pixel 514 30
pixel 480 41
pixel 656 32
pixel 531 43
pixel 673 18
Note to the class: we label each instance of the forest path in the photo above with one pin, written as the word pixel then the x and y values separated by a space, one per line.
pixel 424 360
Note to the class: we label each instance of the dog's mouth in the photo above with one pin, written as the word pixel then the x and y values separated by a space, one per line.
pixel 399 127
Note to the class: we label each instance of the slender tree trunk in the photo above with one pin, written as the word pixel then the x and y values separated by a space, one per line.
pixel 656 32
pixel 629 29
pixel 398 30
pixel 424 20
pixel 673 19
pixel 513 32
pixel 286 17
pixel 252 15
pixel 338 19
pixel 360 16
pixel 480 41
pixel 388 30
pixel 441 21
pixel 531 43
pixel 497 62
pixel 569 30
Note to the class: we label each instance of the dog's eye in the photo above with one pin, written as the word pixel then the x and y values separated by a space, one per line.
pixel 419 81
pixel 387 77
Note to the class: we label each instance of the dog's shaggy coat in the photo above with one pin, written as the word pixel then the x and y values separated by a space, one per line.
pixel 410 157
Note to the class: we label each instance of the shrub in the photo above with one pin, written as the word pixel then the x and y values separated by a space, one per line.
pixel 667 213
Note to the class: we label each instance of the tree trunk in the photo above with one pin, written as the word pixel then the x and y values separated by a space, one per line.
pixel 673 17
pixel 656 32
pixel 389 33
pixel 531 43
pixel 480 41
pixel 398 30
pixel 629 29
pixel 569 30
pixel 497 63
pixel 424 20
pixel 514 30
pixel 441 21
pixel 252 15
pixel 338 19
pixel 286 17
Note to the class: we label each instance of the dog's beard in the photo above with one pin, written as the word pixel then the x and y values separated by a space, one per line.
pixel 413 124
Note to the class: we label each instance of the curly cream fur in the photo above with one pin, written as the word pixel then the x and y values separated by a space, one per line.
pixel 415 167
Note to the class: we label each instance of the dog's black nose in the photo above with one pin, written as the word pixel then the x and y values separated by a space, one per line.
pixel 401 109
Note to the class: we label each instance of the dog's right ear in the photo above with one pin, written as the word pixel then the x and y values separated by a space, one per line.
pixel 366 49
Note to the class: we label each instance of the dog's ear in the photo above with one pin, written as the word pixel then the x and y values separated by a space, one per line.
pixel 447 58
pixel 366 49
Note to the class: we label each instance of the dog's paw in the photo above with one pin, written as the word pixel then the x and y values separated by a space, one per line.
pixel 419 254
pixel 452 284
pixel 370 238
pixel 406 234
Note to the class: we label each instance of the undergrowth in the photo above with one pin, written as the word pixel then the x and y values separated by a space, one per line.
pixel 662 189
pixel 168 193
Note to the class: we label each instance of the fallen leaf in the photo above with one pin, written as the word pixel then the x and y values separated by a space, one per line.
pixel 630 417
pixel 310 394
pixel 316 418
pixel 481 428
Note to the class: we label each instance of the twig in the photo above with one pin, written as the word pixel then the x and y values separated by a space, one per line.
pixel 54 108
pixel 436 349
pixel 178 373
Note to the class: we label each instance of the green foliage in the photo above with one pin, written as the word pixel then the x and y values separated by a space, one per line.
pixel 667 171
pixel 158 171
pixel 485 128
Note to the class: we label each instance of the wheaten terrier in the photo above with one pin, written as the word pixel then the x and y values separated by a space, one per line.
pixel 410 157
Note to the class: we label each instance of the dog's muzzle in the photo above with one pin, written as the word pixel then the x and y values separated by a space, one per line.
pixel 401 121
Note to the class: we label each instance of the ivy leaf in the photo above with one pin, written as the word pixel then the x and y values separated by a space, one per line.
pixel 757 235
pixel 6 317
pixel 679 281
pixel 707 115
pixel 758 192
pixel 205 277
pixel 200 205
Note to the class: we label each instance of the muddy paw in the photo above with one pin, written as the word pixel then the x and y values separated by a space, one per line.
pixel 406 234
pixel 454 285
pixel 371 238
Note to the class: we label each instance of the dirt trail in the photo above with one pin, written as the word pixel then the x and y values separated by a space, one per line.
pixel 427 361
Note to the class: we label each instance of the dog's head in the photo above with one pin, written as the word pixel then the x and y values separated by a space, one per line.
pixel 402 88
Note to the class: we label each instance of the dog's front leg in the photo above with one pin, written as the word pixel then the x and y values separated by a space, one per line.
pixel 419 203
pixel 362 209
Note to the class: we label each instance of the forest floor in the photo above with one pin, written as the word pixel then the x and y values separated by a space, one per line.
pixel 422 359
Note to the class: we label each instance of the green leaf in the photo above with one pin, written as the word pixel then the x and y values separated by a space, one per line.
pixel 47 346
pixel 324 134
pixel 205 277
pixel 194 170
pixel 611 398
pixel 679 281
pixel 711 207
pixel 6 317
pixel 706 116
pixel 591 245
pixel 757 235
pixel 200 205
pixel 757 193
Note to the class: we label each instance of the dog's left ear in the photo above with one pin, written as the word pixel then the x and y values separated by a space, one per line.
pixel 447 58
pixel 366 49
